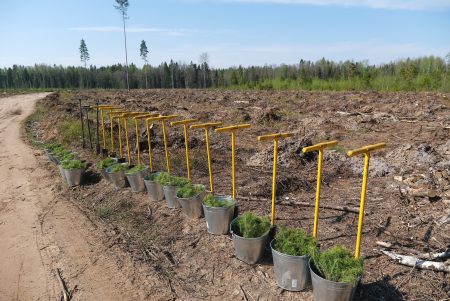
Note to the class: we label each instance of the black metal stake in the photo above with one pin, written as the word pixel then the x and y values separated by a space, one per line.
pixel 98 131
pixel 82 123
pixel 88 126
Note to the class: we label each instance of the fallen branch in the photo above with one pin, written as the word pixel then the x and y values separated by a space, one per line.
pixel 66 294
pixel 305 204
pixel 428 256
pixel 412 261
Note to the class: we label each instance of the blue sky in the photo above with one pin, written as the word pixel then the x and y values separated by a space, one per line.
pixel 232 32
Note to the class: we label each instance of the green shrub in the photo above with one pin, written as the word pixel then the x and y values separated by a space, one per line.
pixel 73 164
pixel 67 156
pixel 339 265
pixel 118 167
pixel 165 179
pixel 136 169
pixel 105 163
pixel 190 190
pixel 52 146
pixel 295 242
pixel 215 201
pixel 249 225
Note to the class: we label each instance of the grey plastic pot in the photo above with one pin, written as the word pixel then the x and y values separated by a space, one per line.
pixel 218 218
pixel 61 171
pixel 117 178
pixel 192 206
pixel 291 272
pixel 105 174
pixel 74 176
pixel 154 189
pixel 136 180
pixel 170 194
pixel 326 290
pixel 249 250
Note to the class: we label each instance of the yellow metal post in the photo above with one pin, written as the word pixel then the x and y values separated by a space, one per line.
pixel 166 149
pixel 318 147
pixel 366 151
pixel 232 129
pixel 112 114
pixel 102 108
pixel 275 138
pixel 120 136
pixel 185 124
pixel 147 123
pixel 136 118
pixel 207 126
pixel 125 123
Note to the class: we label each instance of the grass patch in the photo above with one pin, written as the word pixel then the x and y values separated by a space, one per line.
pixel 295 242
pixel 69 132
pixel 339 265
pixel 249 225
pixel 30 122
pixel 339 148
pixel 104 212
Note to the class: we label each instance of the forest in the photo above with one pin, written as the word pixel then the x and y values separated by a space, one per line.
pixel 419 74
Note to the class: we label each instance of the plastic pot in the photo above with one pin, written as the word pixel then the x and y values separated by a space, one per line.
pixel 117 178
pixel 218 218
pixel 249 250
pixel 291 272
pixel 74 176
pixel 326 290
pixel 192 206
pixel 61 171
pixel 170 194
pixel 136 180
pixel 154 189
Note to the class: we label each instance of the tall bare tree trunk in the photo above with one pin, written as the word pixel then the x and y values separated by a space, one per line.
pixel 126 52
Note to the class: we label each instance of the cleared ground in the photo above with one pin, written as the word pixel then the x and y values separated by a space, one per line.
pixel 175 258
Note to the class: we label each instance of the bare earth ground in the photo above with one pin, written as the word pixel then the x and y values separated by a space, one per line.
pixel 41 232
pixel 166 256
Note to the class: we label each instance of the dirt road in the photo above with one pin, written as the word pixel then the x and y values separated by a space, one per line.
pixel 40 233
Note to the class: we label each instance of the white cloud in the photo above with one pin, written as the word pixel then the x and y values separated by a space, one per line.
pixel 163 31
pixel 374 4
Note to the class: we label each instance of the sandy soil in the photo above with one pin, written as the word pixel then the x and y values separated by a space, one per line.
pixel 41 233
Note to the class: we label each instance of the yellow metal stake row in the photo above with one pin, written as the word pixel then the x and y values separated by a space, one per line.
pixel 318 147
pixel 102 108
pixel 207 126
pixel 162 119
pixel 125 123
pixel 113 113
pixel 185 124
pixel 232 129
pixel 275 138
pixel 136 118
pixel 366 151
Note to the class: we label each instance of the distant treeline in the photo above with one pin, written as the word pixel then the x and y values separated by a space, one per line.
pixel 421 74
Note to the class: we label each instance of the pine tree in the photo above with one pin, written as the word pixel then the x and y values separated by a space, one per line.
pixel 84 53
pixel 144 54
pixel 122 7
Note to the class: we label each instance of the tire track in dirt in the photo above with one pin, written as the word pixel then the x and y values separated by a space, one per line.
pixel 40 233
